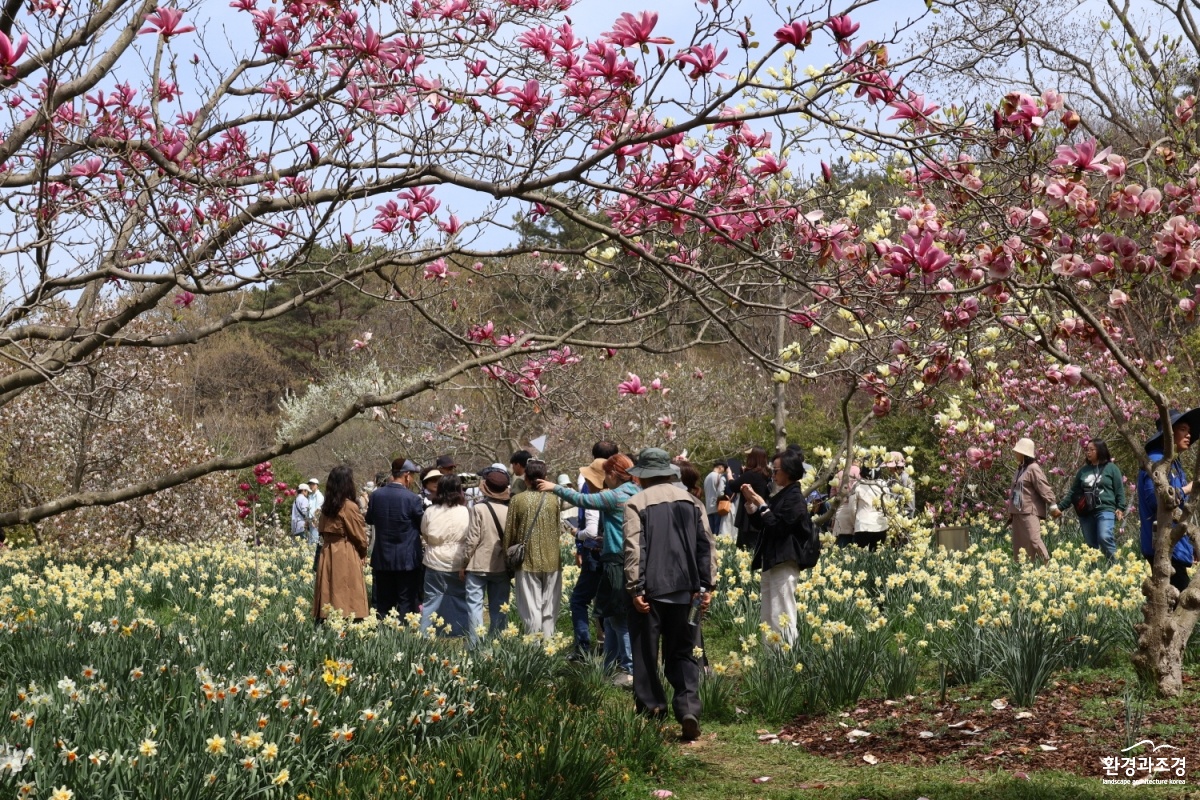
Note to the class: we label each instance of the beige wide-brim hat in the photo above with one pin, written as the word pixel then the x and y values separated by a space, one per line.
pixel 1026 448
pixel 593 473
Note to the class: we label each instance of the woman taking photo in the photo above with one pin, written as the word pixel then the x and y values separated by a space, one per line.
pixel 1029 498
pixel 757 475
pixel 1098 495
pixel 444 534
pixel 339 585
pixel 787 543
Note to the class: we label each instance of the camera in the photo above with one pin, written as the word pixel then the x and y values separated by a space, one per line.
pixel 469 479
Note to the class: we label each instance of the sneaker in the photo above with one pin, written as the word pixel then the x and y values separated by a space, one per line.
pixel 691 728
pixel 623 680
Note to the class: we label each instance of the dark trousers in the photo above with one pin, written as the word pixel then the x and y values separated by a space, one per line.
pixel 666 623
pixel 400 590
pixel 1179 577
pixel 869 539
pixel 582 596
pixel 714 523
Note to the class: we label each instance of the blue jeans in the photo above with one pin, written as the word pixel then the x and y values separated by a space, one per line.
pixel 1098 532
pixel 582 596
pixel 616 644
pixel 497 586
pixel 446 596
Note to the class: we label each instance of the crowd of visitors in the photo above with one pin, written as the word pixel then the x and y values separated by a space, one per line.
pixel 452 550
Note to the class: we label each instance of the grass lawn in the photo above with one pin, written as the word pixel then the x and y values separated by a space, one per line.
pixel 728 758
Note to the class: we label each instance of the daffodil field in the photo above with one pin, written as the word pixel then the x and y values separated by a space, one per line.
pixel 883 623
pixel 196 671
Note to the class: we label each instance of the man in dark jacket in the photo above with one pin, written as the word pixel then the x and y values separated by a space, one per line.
pixel 396 513
pixel 786 545
pixel 670 569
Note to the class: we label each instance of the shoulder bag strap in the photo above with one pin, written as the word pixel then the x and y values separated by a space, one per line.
pixel 533 520
pixel 487 504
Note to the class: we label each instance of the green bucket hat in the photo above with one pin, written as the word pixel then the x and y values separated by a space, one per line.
pixel 652 462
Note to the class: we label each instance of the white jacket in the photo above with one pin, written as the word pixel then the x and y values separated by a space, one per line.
pixel 444 534
pixel 867 501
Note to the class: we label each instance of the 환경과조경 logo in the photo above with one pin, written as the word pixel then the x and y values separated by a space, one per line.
pixel 1146 763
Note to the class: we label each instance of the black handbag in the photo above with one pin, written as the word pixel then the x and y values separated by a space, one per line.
pixel 514 556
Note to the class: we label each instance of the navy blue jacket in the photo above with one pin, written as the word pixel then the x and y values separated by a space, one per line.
pixel 396 514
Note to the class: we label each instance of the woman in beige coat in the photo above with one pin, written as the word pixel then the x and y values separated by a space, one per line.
pixel 339 582
pixel 486 570
pixel 1029 500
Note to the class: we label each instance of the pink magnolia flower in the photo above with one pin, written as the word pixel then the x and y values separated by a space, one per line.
pixel 1082 157
pixel 359 344
pixel 797 33
pixel 842 29
pixel 702 59
pixel 768 165
pixel 481 333
pixel 10 54
pixel 1186 109
pixel 958 369
pixel 437 270
pixel 1117 299
pixel 915 109
pixel 184 299
pixel 882 406
pixel 1072 374
pixel 634 29
pixel 89 168
pixel 826 172
pixel 165 22
pixel 631 386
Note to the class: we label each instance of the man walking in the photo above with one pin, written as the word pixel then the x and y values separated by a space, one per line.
pixel 669 571
pixel 396 513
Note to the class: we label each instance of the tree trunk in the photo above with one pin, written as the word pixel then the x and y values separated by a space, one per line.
pixel 1169 615
pixel 780 391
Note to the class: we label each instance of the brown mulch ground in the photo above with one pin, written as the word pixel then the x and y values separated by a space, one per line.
pixel 1060 735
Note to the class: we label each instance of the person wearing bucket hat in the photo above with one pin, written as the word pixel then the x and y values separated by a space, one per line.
pixel 670 570
pixel 612 602
pixel 1029 500
pixel 1183 429
pixel 487 571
